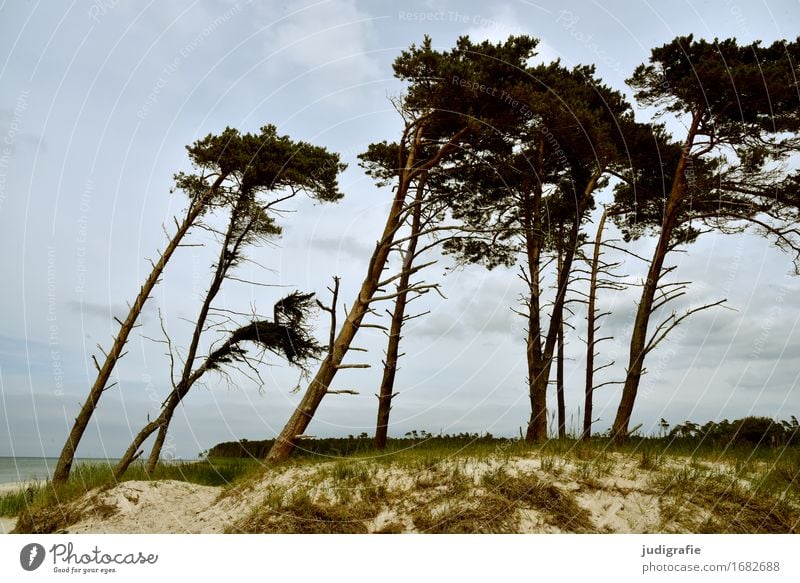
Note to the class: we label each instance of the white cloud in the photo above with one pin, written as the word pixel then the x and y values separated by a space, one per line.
pixel 324 47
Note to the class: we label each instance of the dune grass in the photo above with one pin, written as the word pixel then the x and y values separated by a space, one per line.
pixel 43 507
pixel 432 485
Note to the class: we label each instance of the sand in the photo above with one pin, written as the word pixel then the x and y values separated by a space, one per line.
pixel 620 499
pixel 166 506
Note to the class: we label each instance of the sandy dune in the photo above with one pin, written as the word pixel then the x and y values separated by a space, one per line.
pixel 611 494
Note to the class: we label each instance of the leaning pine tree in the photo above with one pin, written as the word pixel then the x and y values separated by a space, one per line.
pixel 444 111
pixel 203 190
pixel 537 192
pixel 741 108
pixel 265 170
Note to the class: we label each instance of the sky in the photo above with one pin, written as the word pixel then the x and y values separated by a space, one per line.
pixel 97 101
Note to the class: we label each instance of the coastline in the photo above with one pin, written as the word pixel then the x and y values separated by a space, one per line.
pixel 7 487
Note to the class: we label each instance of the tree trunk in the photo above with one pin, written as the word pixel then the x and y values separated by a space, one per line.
pixel 133 449
pixel 532 225
pixel 542 379
pixel 228 250
pixel 562 413
pixel 161 422
pixel 386 392
pixel 591 330
pixel 64 464
pixel 318 386
pixel 619 429
pixel 158 444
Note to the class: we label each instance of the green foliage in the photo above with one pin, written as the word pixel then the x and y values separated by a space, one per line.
pixel 536 180
pixel 754 431
pixel 743 104
pixel 289 335
pixel 267 161
pixel 462 85
pixel 746 88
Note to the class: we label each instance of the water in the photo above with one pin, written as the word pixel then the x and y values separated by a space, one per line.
pixel 25 469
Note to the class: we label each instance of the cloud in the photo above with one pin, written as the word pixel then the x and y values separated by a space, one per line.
pixel 348 246
pixel 325 47
pixel 107 312
pixel 495 25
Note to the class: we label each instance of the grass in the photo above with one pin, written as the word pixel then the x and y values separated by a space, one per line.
pixel 42 507
pixel 353 499
pixel 302 515
pixel 497 505
pixel 715 501
pixel 466 485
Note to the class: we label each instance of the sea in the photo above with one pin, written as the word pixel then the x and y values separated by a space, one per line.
pixel 27 469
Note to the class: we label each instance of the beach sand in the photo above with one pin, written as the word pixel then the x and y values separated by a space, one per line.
pixel 7 524
pixel 621 505
pixel 612 495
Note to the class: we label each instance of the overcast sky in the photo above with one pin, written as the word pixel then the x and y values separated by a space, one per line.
pixel 98 99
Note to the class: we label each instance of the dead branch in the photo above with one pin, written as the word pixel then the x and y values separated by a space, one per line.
pixel 667 325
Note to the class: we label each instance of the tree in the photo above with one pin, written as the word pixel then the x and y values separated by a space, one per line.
pixel 287 335
pixel 203 189
pixel 538 195
pixel 601 275
pixel 398 318
pixel 740 107
pixel 447 107
pixel 264 170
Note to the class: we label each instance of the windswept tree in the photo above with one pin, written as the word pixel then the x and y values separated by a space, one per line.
pixel 203 189
pixel 740 106
pixel 264 171
pixel 287 336
pixel 599 274
pixel 451 99
pixel 425 228
pixel 538 192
